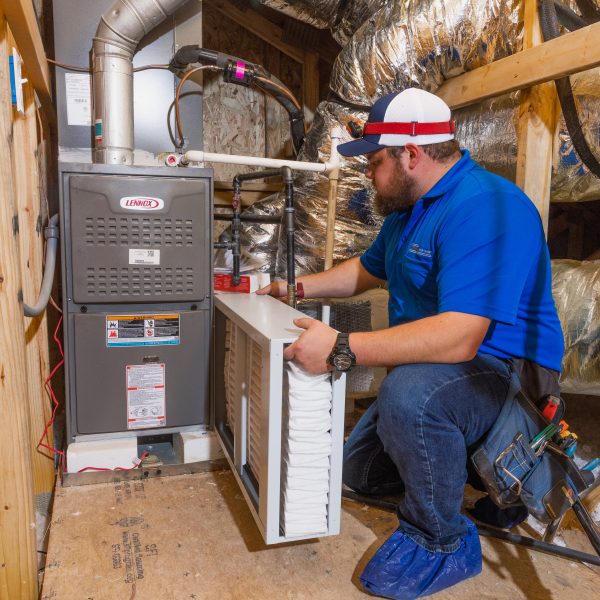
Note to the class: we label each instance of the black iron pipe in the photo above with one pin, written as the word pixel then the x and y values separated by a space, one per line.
pixel 236 218
pixel 236 249
pixel 268 219
pixel 290 229
pixel 256 175
pixel 515 538
pixel 588 524
pixel 501 534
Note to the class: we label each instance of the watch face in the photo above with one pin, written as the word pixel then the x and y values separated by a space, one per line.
pixel 342 362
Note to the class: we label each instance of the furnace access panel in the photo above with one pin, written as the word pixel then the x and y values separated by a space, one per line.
pixel 137 285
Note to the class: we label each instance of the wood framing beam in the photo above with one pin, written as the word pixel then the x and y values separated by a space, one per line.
pixel 570 53
pixel 18 557
pixel 310 85
pixel 26 176
pixel 259 26
pixel 538 113
pixel 24 27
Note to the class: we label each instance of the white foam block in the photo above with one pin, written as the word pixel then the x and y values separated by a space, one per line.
pixel 102 454
pixel 197 446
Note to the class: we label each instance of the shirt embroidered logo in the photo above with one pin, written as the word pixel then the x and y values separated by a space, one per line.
pixel 416 249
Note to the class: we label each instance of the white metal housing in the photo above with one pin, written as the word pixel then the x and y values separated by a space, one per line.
pixel 250 335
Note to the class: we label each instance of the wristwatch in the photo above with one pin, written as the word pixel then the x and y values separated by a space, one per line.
pixel 342 359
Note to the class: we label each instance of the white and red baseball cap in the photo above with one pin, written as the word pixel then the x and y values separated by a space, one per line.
pixel 411 116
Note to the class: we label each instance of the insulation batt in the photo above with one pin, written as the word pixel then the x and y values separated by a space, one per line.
pixel 576 291
pixel 403 43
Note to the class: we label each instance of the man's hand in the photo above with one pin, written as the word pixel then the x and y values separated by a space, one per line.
pixel 277 289
pixel 311 349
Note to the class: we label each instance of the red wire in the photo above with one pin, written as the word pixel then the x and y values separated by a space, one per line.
pixel 142 457
pixel 48 385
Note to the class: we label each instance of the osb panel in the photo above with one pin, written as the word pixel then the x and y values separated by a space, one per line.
pixel 193 537
pixel 184 537
pixel 239 120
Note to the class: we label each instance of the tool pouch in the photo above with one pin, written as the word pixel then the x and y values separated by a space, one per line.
pixel 510 470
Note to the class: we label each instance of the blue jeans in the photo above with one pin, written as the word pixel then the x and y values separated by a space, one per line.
pixel 416 437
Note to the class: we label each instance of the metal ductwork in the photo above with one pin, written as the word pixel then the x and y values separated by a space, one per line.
pixel 119 32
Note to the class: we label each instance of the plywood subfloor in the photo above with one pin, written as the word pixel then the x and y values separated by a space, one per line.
pixel 192 537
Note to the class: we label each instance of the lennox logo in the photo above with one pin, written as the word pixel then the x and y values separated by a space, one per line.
pixel 141 203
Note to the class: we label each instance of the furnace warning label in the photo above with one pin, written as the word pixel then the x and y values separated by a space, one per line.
pixel 145 396
pixel 142 330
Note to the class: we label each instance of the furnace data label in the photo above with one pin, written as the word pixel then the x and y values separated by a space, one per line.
pixel 144 256
pixel 145 396
pixel 142 330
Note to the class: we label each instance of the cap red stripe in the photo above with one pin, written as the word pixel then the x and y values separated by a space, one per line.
pixel 413 128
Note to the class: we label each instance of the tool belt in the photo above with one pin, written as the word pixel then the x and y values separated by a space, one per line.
pixel 518 463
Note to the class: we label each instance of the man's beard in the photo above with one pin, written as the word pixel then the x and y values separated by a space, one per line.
pixel 401 193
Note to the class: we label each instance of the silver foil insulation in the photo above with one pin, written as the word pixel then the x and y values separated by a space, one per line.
pixel 392 45
pixel 576 291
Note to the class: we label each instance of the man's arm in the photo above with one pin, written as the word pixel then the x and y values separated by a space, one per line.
pixel 449 337
pixel 346 279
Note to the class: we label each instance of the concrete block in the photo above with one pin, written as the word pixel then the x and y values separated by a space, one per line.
pixel 197 446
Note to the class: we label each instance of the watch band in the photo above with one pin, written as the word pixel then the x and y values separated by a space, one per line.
pixel 342 342
pixel 341 352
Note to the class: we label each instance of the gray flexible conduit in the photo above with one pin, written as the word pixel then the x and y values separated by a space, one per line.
pixel 51 233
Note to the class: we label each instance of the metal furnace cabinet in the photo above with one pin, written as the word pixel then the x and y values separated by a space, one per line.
pixel 137 297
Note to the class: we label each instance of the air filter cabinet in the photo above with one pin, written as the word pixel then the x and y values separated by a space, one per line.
pixel 137 297
pixel 292 487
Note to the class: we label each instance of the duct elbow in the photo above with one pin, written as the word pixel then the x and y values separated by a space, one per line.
pixel 119 32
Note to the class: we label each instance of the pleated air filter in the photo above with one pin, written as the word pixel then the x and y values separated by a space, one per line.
pixel 281 428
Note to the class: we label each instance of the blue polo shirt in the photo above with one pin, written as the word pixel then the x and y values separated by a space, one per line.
pixel 474 244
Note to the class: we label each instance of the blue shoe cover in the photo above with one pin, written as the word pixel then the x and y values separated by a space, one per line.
pixel 403 570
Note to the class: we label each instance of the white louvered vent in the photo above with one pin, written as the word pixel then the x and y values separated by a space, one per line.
pixel 229 372
pixel 281 429
pixel 255 394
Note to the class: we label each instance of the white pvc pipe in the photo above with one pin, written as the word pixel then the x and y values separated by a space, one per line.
pixel 259 161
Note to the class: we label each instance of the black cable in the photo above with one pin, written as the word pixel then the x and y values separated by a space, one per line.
pixel 242 72
pixel 588 9
pixel 550 11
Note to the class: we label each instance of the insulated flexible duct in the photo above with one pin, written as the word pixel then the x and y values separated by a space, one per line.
pixel 421 44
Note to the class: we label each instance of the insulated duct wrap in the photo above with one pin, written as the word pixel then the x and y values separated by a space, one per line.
pixel 356 221
pixel 405 43
pixel 318 13
pixel 576 291
pixel 421 44
pixel 342 17
pixel 488 129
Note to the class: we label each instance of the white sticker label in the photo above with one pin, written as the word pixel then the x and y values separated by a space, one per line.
pixel 145 396
pixel 144 256
pixel 79 103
